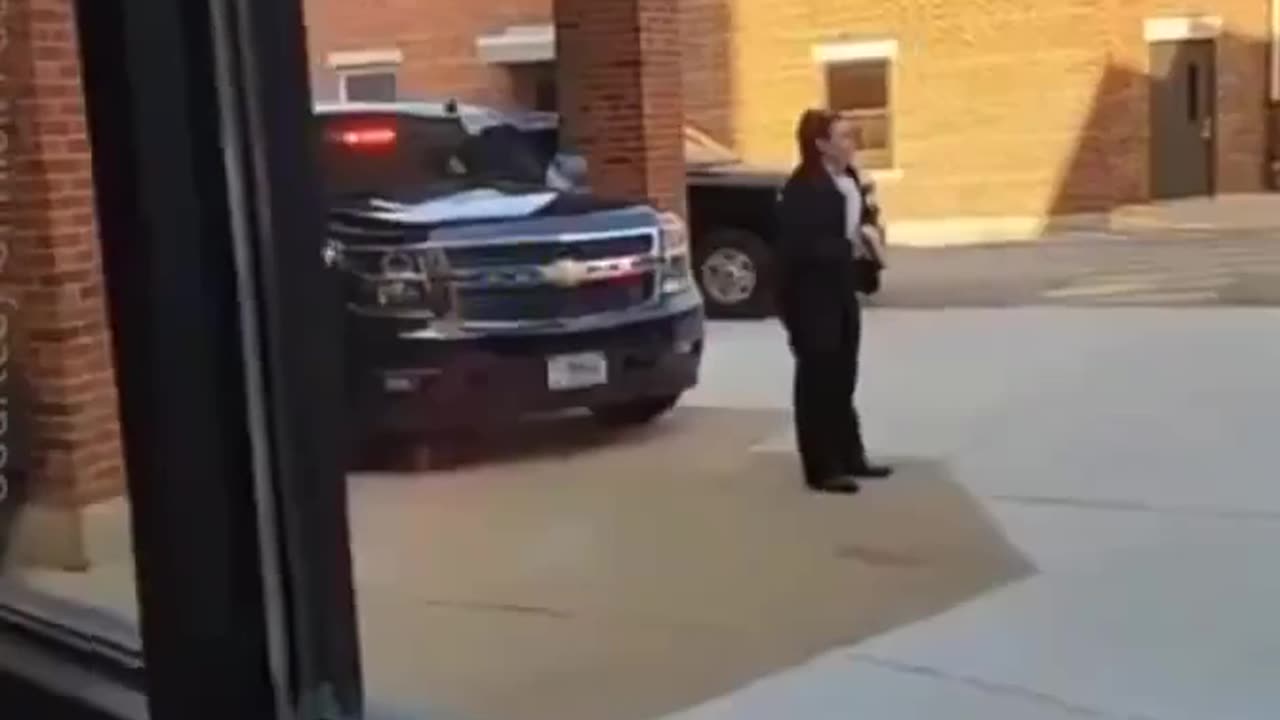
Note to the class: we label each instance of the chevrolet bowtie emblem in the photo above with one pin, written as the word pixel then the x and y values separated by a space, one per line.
pixel 565 273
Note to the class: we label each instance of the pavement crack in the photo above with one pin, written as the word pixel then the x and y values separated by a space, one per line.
pixel 1134 506
pixel 879 557
pixel 998 689
pixel 504 608
pixel 583 615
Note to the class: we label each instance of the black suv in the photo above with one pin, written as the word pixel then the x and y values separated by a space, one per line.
pixel 478 284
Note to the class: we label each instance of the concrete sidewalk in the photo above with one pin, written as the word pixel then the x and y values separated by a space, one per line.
pixel 1128 453
pixel 565 579
pixel 1241 212
pixel 1223 212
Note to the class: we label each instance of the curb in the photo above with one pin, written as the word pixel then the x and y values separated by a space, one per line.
pixel 970 232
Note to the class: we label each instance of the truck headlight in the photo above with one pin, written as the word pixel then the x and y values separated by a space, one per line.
pixel 331 254
pixel 677 269
pixel 400 283
pixel 395 293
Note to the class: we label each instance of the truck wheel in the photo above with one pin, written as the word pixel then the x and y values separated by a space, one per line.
pixel 637 412
pixel 735 273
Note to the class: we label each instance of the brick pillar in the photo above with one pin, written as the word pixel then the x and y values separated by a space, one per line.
pixel 620 88
pixel 54 272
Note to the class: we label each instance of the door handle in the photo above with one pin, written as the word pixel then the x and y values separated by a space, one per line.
pixel 1206 129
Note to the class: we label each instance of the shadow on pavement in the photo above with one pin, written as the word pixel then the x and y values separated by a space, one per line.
pixel 634 578
pixel 553 436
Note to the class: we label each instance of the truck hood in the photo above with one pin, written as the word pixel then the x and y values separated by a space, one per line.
pixel 736 174
pixel 700 170
pixel 477 214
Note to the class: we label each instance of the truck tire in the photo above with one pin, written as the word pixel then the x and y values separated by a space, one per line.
pixel 634 413
pixel 735 273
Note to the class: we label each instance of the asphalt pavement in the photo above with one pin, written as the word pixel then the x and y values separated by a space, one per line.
pixel 1161 267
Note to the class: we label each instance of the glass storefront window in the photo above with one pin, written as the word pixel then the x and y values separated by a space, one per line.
pixel 63 514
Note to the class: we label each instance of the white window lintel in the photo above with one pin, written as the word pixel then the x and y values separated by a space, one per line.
pixel 356 59
pixel 1174 29
pixel 853 51
pixel 518 44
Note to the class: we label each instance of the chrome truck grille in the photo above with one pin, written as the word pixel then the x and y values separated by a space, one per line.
pixel 524 280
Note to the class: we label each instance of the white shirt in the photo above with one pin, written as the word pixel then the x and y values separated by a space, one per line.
pixel 853 212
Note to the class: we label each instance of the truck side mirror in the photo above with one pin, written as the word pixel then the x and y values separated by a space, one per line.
pixel 572 168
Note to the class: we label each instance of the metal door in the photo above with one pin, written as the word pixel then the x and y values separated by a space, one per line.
pixel 1183 110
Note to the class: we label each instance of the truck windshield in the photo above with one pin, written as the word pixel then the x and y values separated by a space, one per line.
pixel 700 148
pixel 407 158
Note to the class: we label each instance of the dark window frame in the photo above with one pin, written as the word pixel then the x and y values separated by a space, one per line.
pixel 230 395
pixel 546 87
pixel 346 74
pixel 873 158
pixel 536 85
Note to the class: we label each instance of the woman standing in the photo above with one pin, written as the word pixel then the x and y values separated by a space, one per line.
pixel 831 248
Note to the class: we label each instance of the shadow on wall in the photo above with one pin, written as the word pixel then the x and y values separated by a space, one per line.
pixel 1108 166
pixel 1195 124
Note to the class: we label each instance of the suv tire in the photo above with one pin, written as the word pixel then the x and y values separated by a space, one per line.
pixel 735 273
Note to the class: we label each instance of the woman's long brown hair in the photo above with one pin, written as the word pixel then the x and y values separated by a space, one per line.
pixel 814 125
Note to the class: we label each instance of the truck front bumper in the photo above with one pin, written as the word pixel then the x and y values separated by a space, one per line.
pixel 408 383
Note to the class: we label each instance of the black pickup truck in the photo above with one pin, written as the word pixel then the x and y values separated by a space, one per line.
pixel 731 214
pixel 732 219
pixel 479 284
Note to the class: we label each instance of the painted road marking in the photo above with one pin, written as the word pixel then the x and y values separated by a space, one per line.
pixel 1118 285
pixel 1172 297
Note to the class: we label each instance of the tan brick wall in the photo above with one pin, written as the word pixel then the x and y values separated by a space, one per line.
pixel 1002 107
pixel 706 41
pixel 54 265
pixel 437 38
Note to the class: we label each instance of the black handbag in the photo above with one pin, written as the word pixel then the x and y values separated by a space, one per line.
pixel 866 276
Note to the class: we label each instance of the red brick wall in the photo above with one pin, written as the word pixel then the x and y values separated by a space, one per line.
pixel 437 38
pixel 54 264
pixel 621 94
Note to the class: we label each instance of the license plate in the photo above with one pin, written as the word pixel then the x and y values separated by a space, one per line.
pixel 399 384
pixel 575 372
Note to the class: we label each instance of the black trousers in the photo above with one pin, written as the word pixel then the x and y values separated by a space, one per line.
pixel 827 426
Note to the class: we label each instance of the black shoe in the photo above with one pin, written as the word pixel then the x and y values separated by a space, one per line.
pixel 844 485
pixel 867 471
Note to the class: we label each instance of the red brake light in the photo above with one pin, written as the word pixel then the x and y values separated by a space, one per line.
pixel 367 137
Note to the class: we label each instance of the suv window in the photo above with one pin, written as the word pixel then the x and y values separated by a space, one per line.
pixel 405 157
pixel 384 154
pixel 702 149
pixel 544 141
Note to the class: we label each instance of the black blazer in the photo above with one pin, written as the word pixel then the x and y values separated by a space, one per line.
pixel 818 277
